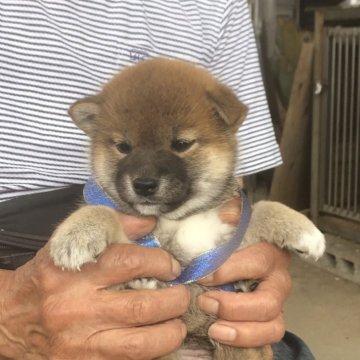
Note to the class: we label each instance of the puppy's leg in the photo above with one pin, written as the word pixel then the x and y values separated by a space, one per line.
pixel 225 352
pixel 84 235
pixel 278 224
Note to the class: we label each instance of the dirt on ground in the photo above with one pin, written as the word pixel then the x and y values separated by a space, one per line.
pixel 324 310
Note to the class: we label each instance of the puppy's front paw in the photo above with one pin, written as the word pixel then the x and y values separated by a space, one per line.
pixel 287 228
pixel 83 236
pixel 71 246
pixel 309 244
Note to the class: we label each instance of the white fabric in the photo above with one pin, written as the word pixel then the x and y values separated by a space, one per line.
pixel 55 52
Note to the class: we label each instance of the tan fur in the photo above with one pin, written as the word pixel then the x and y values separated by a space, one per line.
pixel 188 97
pixel 136 124
pixel 225 352
pixel 92 229
pixel 270 222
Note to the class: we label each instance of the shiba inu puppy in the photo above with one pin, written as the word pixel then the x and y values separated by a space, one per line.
pixel 163 143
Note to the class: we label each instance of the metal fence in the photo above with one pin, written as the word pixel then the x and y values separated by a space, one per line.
pixel 340 150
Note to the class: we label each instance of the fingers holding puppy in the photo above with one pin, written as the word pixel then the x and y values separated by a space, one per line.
pixel 259 306
pixel 135 227
pixel 248 334
pixel 257 261
pixel 147 342
pixel 253 318
pixel 230 211
pixel 77 313
pixel 122 263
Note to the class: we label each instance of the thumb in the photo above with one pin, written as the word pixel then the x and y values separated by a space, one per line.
pixel 230 211
pixel 136 227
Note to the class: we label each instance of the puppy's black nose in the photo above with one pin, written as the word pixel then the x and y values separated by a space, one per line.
pixel 145 186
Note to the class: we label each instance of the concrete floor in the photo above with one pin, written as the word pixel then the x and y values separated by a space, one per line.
pixel 324 310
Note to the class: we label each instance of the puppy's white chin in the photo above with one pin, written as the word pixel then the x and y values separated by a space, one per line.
pixel 148 209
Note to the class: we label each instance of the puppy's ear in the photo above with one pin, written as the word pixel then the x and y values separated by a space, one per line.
pixel 227 106
pixel 84 113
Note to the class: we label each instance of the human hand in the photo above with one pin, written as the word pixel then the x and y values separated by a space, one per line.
pixel 248 319
pixel 49 313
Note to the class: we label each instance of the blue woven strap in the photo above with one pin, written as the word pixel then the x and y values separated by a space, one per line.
pixel 202 265
pixel 95 195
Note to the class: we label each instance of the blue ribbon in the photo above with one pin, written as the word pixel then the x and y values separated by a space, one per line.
pixel 95 195
pixel 202 265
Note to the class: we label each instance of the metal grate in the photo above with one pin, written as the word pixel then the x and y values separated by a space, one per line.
pixel 341 178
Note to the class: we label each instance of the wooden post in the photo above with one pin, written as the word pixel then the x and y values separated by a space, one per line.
pixel 291 181
pixel 317 112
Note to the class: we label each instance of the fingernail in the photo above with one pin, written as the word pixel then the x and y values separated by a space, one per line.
pixel 175 267
pixel 209 305
pixel 222 332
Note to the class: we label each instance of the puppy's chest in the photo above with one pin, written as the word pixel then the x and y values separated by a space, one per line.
pixel 188 238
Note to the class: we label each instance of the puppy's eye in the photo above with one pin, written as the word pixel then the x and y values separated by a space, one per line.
pixel 181 145
pixel 124 147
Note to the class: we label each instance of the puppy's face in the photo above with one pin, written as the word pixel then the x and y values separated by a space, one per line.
pixel 163 137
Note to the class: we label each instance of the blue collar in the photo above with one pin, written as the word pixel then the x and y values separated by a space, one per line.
pixel 202 265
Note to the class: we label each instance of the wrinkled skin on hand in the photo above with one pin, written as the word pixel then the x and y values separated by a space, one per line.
pixel 249 319
pixel 47 313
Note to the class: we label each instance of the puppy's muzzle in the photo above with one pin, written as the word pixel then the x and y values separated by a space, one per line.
pixel 145 186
